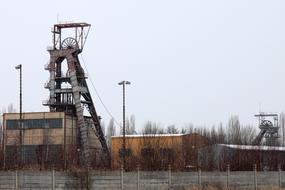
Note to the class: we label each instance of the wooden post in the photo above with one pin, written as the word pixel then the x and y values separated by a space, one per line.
pixel 169 177
pixel 122 177
pixel 228 176
pixel 255 176
pixel 138 177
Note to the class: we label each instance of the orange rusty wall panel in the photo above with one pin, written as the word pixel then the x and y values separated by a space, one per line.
pixel 194 140
pixel 138 142
pixel 191 144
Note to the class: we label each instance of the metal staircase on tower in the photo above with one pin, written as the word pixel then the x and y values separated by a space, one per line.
pixel 69 90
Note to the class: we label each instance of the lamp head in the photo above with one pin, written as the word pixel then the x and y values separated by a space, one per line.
pixel 124 82
pixel 18 66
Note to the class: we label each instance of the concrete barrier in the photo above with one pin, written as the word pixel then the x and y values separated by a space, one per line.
pixel 144 180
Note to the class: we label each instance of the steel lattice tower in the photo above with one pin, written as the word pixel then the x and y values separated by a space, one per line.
pixel 69 91
pixel 269 128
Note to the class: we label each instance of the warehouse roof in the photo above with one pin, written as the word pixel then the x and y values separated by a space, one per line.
pixel 149 135
pixel 251 147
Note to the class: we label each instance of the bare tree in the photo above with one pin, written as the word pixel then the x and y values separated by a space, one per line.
pixel 152 128
pixel 204 131
pixel 171 129
pixel 247 134
pixel 127 127
pixel 133 125
pixel 157 151
pixel 189 128
pixel 1 131
pixel 234 130
pixel 221 134
pixel 213 135
pixel 130 126
pixel 11 109
pixel 282 127
pixel 103 128
pixel 183 131
pixel 111 131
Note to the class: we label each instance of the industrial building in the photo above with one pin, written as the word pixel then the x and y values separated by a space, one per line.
pixel 48 139
pixel 157 151
pixel 241 157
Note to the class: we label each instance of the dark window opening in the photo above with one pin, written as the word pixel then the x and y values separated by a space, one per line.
pixel 34 124
pixel 128 152
pixel 147 152
pixel 167 152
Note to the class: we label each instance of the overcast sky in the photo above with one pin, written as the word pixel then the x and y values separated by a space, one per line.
pixel 188 61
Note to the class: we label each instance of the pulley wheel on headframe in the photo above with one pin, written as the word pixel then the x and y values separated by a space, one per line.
pixel 69 43
pixel 266 123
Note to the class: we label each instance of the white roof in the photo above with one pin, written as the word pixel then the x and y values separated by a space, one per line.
pixel 149 135
pixel 251 147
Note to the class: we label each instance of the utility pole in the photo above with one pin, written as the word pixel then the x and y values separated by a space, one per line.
pixel 19 67
pixel 124 83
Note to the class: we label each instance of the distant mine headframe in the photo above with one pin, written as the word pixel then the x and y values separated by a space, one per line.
pixel 68 90
pixel 269 127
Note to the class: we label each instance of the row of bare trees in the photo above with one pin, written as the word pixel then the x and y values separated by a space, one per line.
pixel 233 132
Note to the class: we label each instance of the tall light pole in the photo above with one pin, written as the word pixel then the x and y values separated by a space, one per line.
pixel 124 83
pixel 19 67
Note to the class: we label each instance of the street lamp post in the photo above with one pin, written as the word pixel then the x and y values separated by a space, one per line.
pixel 124 83
pixel 19 67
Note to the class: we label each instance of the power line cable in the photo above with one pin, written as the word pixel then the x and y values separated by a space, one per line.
pixel 97 93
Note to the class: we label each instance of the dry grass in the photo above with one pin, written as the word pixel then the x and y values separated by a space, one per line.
pixel 234 188
pixel 271 188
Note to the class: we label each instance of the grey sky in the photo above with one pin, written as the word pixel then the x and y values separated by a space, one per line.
pixel 188 61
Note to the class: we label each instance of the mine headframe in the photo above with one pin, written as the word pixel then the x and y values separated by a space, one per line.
pixel 269 127
pixel 69 91
pixel 76 39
